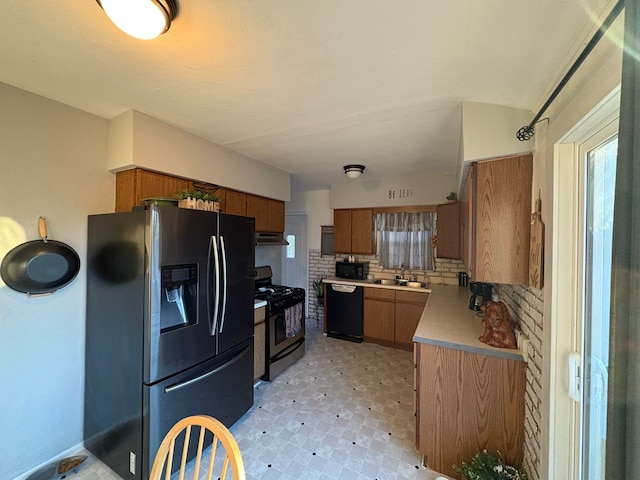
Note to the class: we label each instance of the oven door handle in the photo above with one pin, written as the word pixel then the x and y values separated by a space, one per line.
pixel 223 252
pixel 288 351
pixel 216 293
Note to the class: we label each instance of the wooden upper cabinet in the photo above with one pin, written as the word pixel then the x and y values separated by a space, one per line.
pixel 362 231
pixel 269 213
pixel 500 217
pixel 258 208
pixel 235 203
pixel 466 222
pixel 276 216
pixel 134 185
pixel 448 230
pixel 353 231
pixel 222 198
pixel 342 231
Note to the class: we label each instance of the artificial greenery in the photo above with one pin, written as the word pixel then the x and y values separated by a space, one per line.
pixel 318 287
pixel 490 466
pixel 198 195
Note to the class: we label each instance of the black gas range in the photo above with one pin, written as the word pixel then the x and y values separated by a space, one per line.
pixel 285 322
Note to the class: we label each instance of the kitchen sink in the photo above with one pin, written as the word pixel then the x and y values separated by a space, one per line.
pixel 386 281
pixel 403 283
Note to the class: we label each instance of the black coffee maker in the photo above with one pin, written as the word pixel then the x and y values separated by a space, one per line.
pixel 480 294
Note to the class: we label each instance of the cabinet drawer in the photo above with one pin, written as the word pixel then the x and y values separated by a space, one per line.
pixel 412 297
pixel 380 293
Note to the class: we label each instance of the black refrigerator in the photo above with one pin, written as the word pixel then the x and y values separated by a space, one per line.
pixel 169 330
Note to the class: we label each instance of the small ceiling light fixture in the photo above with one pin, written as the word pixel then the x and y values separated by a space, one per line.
pixel 354 171
pixel 143 19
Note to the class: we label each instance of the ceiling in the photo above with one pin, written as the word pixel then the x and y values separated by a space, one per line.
pixel 306 86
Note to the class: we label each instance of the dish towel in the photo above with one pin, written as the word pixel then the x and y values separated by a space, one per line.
pixel 293 320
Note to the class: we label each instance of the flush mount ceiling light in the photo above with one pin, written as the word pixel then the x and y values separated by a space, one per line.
pixel 353 171
pixel 143 19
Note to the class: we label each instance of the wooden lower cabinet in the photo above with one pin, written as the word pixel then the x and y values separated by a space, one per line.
pixel 407 319
pixel 379 320
pixel 391 316
pixel 467 402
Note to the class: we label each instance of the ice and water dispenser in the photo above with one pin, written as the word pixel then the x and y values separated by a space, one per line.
pixel 179 296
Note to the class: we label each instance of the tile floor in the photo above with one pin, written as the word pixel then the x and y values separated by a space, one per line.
pixel 344 411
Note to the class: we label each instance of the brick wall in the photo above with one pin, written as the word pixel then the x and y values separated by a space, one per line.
pixel 526 306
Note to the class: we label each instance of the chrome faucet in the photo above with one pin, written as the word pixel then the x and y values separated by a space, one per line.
pixel 402 271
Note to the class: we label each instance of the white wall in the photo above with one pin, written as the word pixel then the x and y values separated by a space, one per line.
pixel 426 189
pixel 139 140
pixel 489 131
pixel 54 164
pixel 316 205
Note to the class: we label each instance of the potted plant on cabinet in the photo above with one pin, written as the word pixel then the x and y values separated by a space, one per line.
pixel 198 200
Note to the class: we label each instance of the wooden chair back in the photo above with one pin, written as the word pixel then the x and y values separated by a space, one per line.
pixel 181 436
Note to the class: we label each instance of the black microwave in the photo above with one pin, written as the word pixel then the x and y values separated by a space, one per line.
pixel 354 270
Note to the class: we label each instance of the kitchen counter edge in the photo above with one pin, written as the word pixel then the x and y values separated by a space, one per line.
pixel 447 322
pixel 369 283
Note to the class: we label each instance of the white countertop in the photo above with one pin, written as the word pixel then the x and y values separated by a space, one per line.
pixel 448 322
pixel 369 283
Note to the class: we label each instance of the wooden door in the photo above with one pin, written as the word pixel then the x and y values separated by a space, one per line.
pixel 448 230
pixel 342 231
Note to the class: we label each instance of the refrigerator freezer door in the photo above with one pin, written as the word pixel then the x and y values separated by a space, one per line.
pixel 221 387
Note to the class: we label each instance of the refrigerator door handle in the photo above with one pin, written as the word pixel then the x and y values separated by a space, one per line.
pixel 216 273
pixel 223 252
pixel 191 381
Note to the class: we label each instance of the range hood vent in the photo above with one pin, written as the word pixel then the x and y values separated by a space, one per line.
pixel 270 239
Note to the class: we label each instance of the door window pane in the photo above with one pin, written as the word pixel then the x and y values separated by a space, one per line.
pixel 291 248
pixel 601 173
